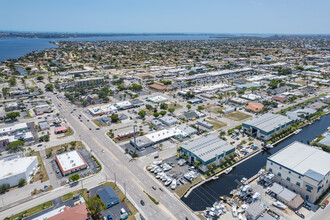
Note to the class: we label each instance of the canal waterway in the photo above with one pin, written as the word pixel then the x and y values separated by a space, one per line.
pixel 210 192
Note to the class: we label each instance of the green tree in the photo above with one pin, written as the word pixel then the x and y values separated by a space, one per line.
pixel 49 87
pixel 156 114
pixel 162 113
pixel 15 145
pixel 4 188
pixel 163 106
pixel 12 115
pixel 149 107
pixel 21 182
pixel 142 113
pixel 200 108
pixel 114 118
pixel 12 81
pixel 95 206
pixel 171 110
pixel 188 106
pixel 40 78
pixel 75 177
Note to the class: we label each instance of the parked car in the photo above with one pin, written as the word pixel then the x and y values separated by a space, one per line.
pixel 109 217
pixel 142 202
pixel 299 214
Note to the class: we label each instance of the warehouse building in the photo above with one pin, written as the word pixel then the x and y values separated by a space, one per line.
pixel 265 126
pixel 207 150
pixel 15 168
pixel 168 120
pixel 302 168
pixel 70 162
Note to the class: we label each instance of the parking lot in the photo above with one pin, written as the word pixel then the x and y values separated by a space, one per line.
pixel 92 167
pixel 172 174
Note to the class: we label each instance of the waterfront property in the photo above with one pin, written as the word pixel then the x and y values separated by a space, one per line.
pixel 302 168
pixel 207 150
pixel 265 126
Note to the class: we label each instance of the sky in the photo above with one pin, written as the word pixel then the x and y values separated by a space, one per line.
pixel 167 16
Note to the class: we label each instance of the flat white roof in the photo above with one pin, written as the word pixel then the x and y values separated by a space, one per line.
pixel 70 161
pixel 158 99
pixel 301 158
pixel 11 167
pixel 13 128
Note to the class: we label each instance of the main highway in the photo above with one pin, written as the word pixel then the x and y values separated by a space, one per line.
pixel 116 166
pixel 120 167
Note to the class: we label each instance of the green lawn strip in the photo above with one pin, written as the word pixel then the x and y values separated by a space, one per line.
pixel 151 198
pixel 31 211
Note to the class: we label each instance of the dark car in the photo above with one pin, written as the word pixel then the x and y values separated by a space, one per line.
pixel 97 128
pixel 142 202
pixel 109 217
pixel 299 214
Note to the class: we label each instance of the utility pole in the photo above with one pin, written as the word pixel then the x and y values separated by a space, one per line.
pixel 82 185
pixel 134 138
pixel 115 179
pixel 125 189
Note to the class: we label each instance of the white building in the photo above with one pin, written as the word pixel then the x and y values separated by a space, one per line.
pixel 15 168
pixel 157 99
pixel 41 109
pixel 301 168
pixel 70 162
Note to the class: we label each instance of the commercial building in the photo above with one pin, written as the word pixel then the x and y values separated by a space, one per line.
pixel 300 113
pixel 15 168
pixel 41 109
pixel 70 162
pixel 168 120
pixel 10 106
pixel 291 199
pixel 254 107
pixel 207 150
pixel 108 196
pixel 61 129
pixel 265 126
pixel 303 169
pixel 157 99
pixel 43 125
pixel 14 133
pixel 103 109
pixel 205 124
pixel 89 81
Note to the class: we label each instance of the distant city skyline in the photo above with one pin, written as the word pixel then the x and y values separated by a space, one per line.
pixel 147 16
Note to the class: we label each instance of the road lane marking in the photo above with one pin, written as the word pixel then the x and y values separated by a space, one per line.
pixel 105 148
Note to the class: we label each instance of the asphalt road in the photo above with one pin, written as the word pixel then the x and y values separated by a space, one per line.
pixel 117 166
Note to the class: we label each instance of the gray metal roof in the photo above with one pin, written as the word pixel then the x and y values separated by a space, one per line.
pixel 325 141
pixel 107 195
pixel 207 147
pixel 300 158
pixel 268 122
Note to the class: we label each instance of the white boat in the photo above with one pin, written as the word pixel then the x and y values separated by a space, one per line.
pixel 234 211
pixel 269 146
pixel 243 180
pixel 228 170
pixel 297 131
pixel 168 182
pixel 279 205
pixel 215 177
pixel 173 184
pixel 256 196
pixel 240 217
pixel 233 191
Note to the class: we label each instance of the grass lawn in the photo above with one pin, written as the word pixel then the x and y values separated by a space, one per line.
pixel 174 105
pixel 31 211
pixel 216 123
pixel 301 82
pixel 213 108
pixel 61 148
pixel 180 191
pixel 237 116
pixel 97 123
pixel 82 192
pixel 42 172
pixel 121 196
